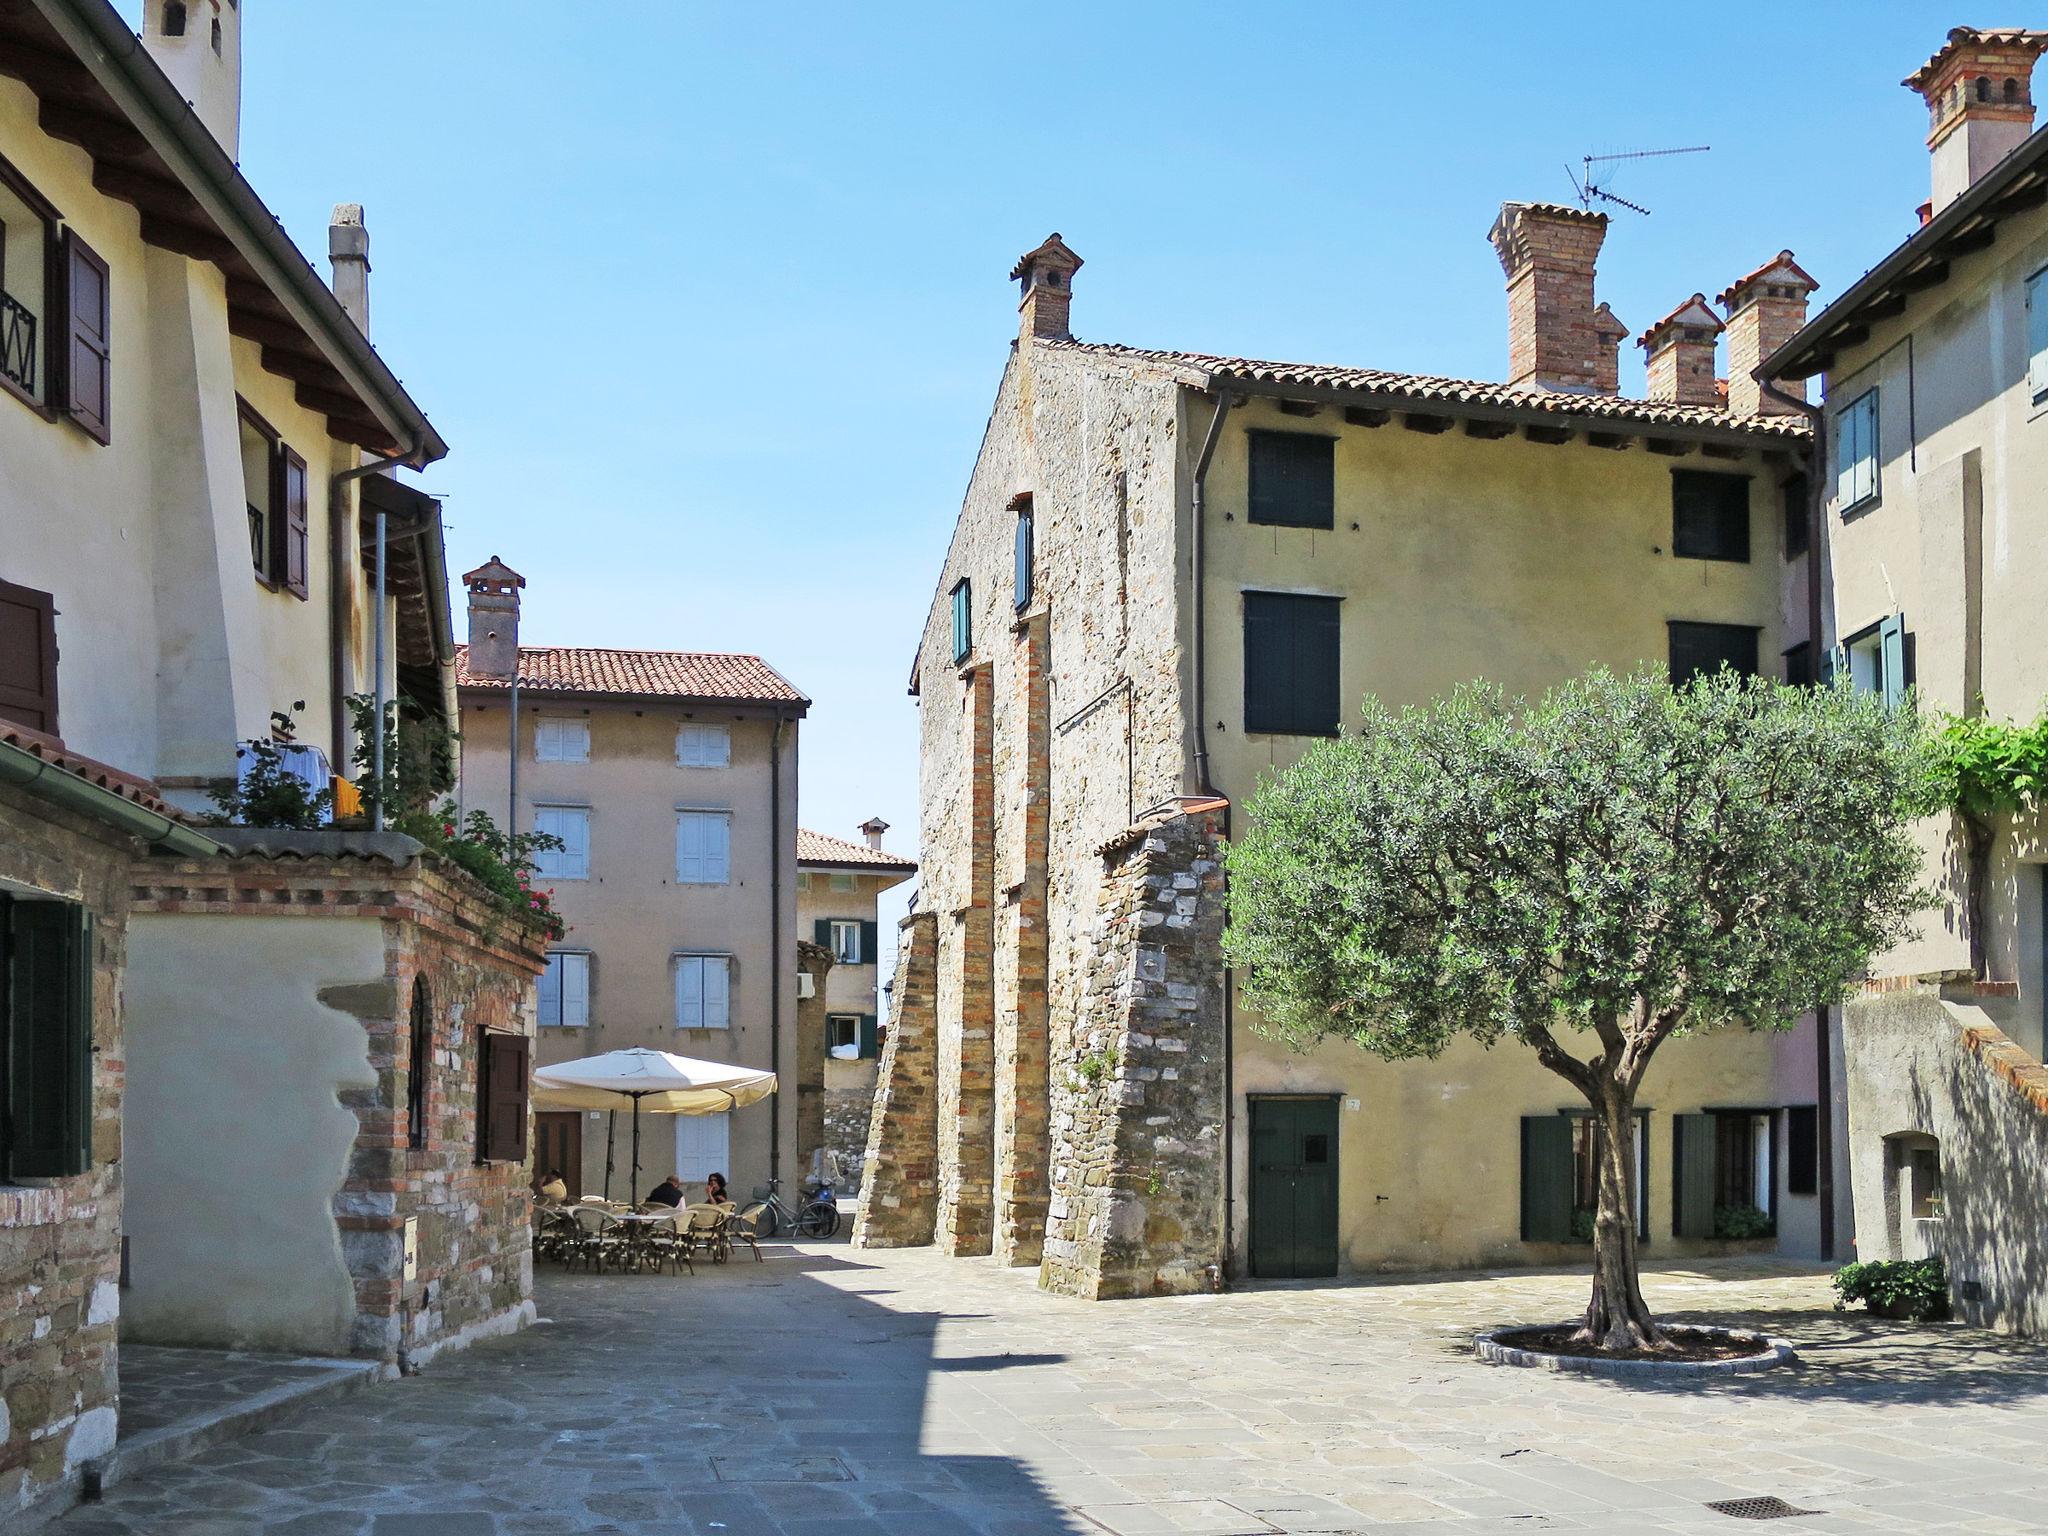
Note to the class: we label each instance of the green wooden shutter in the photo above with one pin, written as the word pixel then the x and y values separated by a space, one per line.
pixel 1268 647
pixel 1693 1141
pixel 870 1037
pixel 1024 559
pixel 49 1038
pixel 870 943
pixel 1317 704
pixel 821 932
pixel 1546 1178
pixel 1891 640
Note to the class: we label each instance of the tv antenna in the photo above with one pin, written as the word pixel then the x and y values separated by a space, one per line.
pixel 1592 185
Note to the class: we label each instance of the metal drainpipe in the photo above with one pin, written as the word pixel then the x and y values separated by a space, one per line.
pixel 1204 784
pixel 1823 1061
pixel 775 945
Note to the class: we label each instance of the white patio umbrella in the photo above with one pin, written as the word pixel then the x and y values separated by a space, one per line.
pixel 662 1083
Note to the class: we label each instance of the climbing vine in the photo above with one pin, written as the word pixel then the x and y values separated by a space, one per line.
pixel 1978 769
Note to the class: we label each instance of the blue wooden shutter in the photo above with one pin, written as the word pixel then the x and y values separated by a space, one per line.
pixel 870 943
pixel 1694 1143
pixel 963 620
pixel 49 1038
pixel 821 932
pixel 870 1037
pixel 1546 1178
pixel 1891 642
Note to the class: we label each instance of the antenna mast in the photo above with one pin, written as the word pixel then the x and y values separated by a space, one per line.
pixel 1591 186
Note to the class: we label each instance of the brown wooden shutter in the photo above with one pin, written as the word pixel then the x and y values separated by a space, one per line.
pixel 506 1062
pixel 292 484
pixel 88 357
pixel 28 657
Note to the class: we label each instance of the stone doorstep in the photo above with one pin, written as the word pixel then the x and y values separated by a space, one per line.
pixel 214 1426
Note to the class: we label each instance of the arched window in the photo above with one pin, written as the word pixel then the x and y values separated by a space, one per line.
pixel 174 18
pixel 2012 90
pixel 419 1063
pixel 1983 88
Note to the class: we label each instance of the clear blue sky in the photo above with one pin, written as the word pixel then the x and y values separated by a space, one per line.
pixel 709 299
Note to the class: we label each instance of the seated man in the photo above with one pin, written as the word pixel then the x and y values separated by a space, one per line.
pixel 668 1192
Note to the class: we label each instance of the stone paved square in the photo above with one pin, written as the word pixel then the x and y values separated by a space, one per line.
pixel 958 1398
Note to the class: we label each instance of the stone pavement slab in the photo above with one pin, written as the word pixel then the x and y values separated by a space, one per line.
pixel 900 1394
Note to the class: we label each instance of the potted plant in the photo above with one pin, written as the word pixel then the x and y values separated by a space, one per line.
pixel 1901 1289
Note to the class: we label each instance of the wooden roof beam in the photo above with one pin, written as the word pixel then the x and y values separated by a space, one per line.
pixel 186 239
pixel 91 131
pixel 1550 435
pixel 1489 430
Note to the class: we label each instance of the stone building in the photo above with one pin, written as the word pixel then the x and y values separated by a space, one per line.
pixel 671 779
pixel 839 888
pixel 1933 523
pixel 1170 572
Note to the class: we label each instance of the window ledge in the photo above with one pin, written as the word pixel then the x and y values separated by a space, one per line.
pixel 8 386
pixel 1858 509
pixel 34 1205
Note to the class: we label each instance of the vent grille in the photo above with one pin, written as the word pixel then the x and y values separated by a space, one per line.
pixel 1772 1508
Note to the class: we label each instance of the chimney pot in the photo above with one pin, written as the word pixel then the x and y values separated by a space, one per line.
pixel 1980 104
pixel 874 827
pixel 1679 354
pixel 348 253
pixel 493 589
pixel 1047 278
pixel 1557 337
pixel 1765 308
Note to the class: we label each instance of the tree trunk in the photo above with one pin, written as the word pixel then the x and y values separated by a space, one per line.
pixel 1616 1317
pixel 1976 881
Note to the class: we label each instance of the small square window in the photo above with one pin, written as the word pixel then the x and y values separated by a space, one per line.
pixel 704 746
pixel 1697 650
pixel 842 881
pixel 570 823
pixel 703 848
pixel 703 992
pixel 1292 480
pixel 558 740
pixel 1709 515
pixel 846 942
pixel 842 1036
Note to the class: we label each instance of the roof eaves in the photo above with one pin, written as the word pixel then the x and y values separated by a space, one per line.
pixel 117 59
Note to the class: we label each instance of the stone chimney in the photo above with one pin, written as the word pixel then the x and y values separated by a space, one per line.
pixel 493 589
pixel 872 829
pixel 1679 354
pixel 348 253
pixel 198 45
pixel 1554 338
pixel 1980 102
pixel 1047 277
pixel 1764 309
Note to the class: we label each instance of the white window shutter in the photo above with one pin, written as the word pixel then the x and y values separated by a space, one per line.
pixel 2037 334
pixel 575 990
pixel 717 993
pixel 719 853
pixel 689 993
pixel 550 991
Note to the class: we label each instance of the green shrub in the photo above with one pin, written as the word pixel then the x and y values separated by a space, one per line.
pixel 269 795
pixel 1742 1222
pixel 1583 1220
pixel 1916 1288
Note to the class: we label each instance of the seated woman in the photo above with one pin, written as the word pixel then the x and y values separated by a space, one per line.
pixel 553 1188
pixel 714 1190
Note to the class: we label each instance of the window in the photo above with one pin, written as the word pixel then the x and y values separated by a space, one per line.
pixel 703 992
pixel 504 1063
pixel 842 881
pixel 851 941
pixel 174 18
pixel 419 1064
pixel 570 823
pixel 1723 1174
pixel 703 1146
pixel 1802 1150
pixel 704 746
pixel 1025 555
pixel 1798 662
pixel 46 964
pixel 852 1036
pixel 1561 1176
pixel 1794 496
pixel 564 991
pixel 28 308
pixel 803 880
pixel 1290 664
pixel 1697 650
pixel 558 740
pixel 1876 660
pixel 963 620
pixel 1293 480
pixel 28 657
pixel 703 848
pixel 1856 452
pixel 2037 336
pixel 1709 515
pixel 274 492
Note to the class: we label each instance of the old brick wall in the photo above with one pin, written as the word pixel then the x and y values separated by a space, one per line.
pixel 808 1071
pixel 1137 1095
pixel 899 1172
pixel 60 1239
pixel 1100 452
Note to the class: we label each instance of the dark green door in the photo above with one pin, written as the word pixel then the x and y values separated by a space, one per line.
pixel 1294 1188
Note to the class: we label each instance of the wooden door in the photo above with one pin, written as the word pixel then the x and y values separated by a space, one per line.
pixel 558 1138
pixel 1293 1188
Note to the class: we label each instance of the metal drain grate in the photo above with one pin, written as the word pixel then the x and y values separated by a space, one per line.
pixel 1772 1508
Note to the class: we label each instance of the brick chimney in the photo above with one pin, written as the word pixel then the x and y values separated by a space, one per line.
pixel 1047 276
pixel 1980 102
pixel 198 45
pixel 1764 309
pixel 1548 251
pixel 872 829
pixel 348 254
pixel 493 589
pixel 1679 354
pixel 1610 332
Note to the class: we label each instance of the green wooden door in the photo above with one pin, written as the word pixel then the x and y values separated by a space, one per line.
pixel 1294 1188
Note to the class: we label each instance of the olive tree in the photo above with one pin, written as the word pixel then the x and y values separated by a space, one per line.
pixel 1592 874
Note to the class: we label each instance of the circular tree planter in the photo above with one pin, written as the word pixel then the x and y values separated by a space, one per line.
pixel 1715 1352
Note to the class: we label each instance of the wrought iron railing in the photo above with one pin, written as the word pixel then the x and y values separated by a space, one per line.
pixel 18 342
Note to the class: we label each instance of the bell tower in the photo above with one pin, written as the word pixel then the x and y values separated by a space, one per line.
pixel 198 44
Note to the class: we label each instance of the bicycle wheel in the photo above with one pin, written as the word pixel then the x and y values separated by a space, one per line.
pixel 818 1220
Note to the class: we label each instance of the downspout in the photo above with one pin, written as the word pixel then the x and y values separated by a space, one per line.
pixel 1823 1060
pixel 1205 785
pixel 341 560
pixel 775 944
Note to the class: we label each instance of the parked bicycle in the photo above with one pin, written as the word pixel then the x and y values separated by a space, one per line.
pixel 815 1216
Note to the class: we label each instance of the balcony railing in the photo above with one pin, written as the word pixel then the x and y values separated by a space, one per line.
pixel 18 343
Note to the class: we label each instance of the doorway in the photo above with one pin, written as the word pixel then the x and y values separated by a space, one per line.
pixel 1293 1188
pixel 558 1144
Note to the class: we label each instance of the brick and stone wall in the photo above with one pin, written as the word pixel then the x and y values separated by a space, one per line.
pixel 899 1169
pixel 808 1072
pixel 317 944
pixel 60 1239
pixel 849 1107
pixel 1137 1096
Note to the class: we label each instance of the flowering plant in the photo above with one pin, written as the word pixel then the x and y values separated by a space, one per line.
pixel 503 863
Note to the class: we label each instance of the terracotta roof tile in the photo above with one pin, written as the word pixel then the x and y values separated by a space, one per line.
pixel 1449 395
pixel 641 675
pixel 817 848
pixel 128 786
pixel 2022 38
